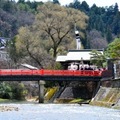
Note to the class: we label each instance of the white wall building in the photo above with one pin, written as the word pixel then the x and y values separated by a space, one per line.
pixel 76 57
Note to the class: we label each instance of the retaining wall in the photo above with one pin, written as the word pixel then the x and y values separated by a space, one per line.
pixel 108 94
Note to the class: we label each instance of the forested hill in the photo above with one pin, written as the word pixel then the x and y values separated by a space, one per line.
pixel 104 22
pixel 104 19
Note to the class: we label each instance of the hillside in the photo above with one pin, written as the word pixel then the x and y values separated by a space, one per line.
pixel 103 24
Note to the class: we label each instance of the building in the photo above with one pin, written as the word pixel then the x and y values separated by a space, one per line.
pixel 3 53
pixel 4 56
pixel 76 57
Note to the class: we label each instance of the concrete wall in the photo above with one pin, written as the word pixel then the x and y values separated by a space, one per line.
pixel 108 94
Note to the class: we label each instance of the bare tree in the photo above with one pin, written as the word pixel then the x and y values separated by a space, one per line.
pixel 52 29
pixel 96 40
pixel 29 46
pixel 56 23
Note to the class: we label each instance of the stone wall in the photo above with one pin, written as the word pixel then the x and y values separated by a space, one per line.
pixel 108 94
pixel 78 90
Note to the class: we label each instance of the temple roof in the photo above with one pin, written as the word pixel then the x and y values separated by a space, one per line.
pixel 76 55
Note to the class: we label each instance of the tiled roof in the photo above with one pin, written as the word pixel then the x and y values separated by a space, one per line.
pixel 76 55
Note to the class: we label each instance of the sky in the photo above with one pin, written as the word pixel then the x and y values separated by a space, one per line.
pixel 99 3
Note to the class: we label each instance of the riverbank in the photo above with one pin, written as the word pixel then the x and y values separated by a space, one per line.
pixel 108 95
pixel 26 101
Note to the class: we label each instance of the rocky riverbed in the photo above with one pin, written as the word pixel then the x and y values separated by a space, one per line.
pixel 8 108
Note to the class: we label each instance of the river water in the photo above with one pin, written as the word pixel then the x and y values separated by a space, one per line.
pixel 59 112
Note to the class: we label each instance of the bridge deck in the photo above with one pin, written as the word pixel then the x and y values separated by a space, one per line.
pixel 49 75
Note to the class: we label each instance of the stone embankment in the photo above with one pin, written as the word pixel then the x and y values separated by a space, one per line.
pixel 76 92
pixel 108 94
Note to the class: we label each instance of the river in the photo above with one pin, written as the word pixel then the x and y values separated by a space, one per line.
pixel 58 112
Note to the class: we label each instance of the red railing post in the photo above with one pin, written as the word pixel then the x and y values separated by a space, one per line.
pixel 42 71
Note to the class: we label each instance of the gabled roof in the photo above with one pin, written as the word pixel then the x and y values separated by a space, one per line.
pixel 29 66
pixel 76 55
pixel 61 58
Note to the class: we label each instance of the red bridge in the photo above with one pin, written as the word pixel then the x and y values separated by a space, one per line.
pixel 51 75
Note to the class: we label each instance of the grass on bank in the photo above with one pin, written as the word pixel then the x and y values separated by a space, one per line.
pixel 79 101
pixel 10 101
pixel 4 100
pixel 71 101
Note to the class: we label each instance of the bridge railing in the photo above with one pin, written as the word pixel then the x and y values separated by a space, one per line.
pixel 20 72
pixel 42 72
pixel 72 72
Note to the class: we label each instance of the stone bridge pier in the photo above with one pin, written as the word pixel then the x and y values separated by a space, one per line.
pixel 41 84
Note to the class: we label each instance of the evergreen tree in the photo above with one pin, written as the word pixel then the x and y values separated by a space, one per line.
pixel 109 35
pixel 84 7
pixel 116 9
pixel 116 24
pixel 56 1
pixel 76 4
pixel 21 1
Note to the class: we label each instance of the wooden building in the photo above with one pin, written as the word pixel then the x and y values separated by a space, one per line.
pixel 75 57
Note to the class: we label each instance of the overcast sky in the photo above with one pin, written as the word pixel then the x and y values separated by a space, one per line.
pixel 89 2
